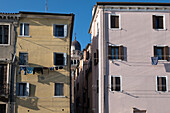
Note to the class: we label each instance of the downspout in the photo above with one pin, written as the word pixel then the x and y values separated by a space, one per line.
pixel 104 66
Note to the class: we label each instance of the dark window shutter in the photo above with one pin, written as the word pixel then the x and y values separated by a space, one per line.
pixel 97 56
pixel 154 21
pixel 111 83
pixel 155 51
pixel 109 52
pixel 121 56
pixel 160 22
pixel 166 53
pixel 5 73
pixel 116 21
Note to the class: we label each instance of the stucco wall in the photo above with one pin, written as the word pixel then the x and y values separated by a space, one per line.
pixel 138 74
pixel 40 47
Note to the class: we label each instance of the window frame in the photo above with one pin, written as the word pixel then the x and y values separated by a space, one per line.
pixel 65 31
pixel 23 24
pixel 119 21
pixel 164 25
pixel 55 88
pixel 165 54
pixel 120 82
pixel 64 56
pixel 9 34
pixel 120 52
pixel 166 84
pixel 27 88
pixel 27 59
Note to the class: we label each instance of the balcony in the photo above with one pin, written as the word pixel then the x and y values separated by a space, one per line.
pixel 4 89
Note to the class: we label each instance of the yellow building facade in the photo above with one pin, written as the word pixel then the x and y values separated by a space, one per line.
pixel 43 55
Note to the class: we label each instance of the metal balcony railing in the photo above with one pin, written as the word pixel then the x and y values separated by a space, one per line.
pixel 4 89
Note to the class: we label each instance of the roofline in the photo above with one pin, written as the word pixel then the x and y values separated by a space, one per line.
pixel 134 3
pixel 42 13
pixel 126 3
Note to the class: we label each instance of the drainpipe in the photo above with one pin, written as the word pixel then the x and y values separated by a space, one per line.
pixel 104 61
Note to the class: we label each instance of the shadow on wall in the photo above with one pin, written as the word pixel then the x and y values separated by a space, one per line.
pixel 30 102
pixel 45 76
pixel 167 67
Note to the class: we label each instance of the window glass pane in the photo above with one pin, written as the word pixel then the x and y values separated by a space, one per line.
pixel 59 30
pixel 26 29
pixel 163 83
pixel 23 58
pixel 59 59
pixel 114 21
pixel 160 53
pixel 4 34
pixel 2 108
pixel 59 89
pixel 116 53
pixel 112 53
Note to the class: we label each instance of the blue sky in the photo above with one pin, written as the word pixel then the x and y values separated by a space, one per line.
pixel 81 8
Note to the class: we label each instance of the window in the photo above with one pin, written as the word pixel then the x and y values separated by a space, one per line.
pixel 23 58
pixel 158 22
pixel 162 52
pixel 3 74
pixel 87 55
pixel 4 34
pixel 60 58
pixel 59 30
pixel 115 83
pixel 59 89
pixel 24 29
pixel 114 21
pixel 71 62
pixel 2 108
pixel 161 83
pixel 96 57
pixel 74 61
pixel 115 52
pixel 22 89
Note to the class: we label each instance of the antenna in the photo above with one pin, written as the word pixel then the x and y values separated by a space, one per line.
pixel 46 6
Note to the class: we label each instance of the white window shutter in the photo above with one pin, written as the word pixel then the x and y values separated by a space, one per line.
pixel 54 33
pixel 65 58
pixel 65 30
pixel 27 89
pixel 54 59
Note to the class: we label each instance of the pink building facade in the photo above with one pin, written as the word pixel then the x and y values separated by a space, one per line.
pixel 132 41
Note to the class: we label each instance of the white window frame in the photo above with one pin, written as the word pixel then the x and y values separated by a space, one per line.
pixel 22 35
pixel 63 91
pixel 166 84
pixel 163 22
pixel 120 82
pixel 9 34
pixel 65 31
pixel 65 58
pixel 27 88
pixel 119 21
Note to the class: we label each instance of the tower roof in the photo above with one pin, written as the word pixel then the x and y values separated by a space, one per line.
pixel 76 44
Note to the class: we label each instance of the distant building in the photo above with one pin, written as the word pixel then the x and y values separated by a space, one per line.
pixel 43 81
pixel 75 61
pixel 8 25
pixel 132 74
